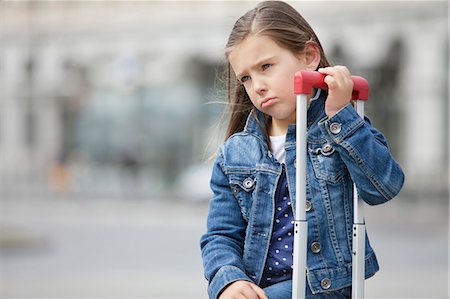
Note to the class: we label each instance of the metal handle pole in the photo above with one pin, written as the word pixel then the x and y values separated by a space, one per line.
pixel 304 82
pixel 359 235
pixel 300 223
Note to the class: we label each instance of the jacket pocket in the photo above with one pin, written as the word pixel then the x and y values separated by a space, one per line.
pixel 242 186
pixel 327 163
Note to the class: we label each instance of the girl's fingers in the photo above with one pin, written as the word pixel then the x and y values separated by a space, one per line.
pixel 333 70
pixel 337 76
pixel 325 70
pixel 243 290
pixel 250 292
pixel 330 81
pixel 260 292
pixel 340 86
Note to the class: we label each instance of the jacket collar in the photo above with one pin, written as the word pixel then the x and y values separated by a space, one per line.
pixel 256 122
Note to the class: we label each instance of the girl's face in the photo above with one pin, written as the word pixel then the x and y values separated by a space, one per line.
pixel 267 72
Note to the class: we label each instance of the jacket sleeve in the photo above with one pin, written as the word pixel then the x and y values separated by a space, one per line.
pixel 378 177
pixel 222 244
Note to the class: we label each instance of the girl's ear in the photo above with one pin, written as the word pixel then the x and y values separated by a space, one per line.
pixel 312 56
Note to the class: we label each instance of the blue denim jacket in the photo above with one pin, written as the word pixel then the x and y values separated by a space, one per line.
pixel 341 150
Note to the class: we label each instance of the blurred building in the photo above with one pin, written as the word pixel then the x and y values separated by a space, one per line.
pixel 123 98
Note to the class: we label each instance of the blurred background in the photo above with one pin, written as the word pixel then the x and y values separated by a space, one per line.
pixel 110 112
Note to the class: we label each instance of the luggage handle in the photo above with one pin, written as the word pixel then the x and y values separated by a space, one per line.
pixel 305 81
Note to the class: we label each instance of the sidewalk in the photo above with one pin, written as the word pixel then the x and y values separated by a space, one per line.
pixel 72 248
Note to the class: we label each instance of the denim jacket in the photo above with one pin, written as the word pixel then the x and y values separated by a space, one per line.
pixel 341 150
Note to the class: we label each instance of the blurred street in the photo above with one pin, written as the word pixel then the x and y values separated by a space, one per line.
pixel 92 248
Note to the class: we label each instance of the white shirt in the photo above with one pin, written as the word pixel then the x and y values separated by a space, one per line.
pixel 277 144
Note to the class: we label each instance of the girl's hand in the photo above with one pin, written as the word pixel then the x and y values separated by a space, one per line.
pixel 340 88
pixel 242 289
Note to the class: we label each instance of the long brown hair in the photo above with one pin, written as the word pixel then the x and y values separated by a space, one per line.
pixel 279 21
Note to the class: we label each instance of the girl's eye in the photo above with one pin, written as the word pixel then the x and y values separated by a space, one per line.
pixel 244 78
pixel 266 66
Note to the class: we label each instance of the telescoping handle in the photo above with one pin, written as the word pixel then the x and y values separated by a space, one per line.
pixel 304 82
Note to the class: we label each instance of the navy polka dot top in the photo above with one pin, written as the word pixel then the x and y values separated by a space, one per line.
pixel 278 265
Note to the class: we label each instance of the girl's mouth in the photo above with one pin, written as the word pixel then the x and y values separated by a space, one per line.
pixel 267 102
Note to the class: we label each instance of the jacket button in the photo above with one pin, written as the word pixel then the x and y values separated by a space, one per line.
pixel 315 247
pixel 325 283
pixel 248 183
pixel 335 128
pixel 308 206
pixel 235 190
pixel 326 148
pixel 295 163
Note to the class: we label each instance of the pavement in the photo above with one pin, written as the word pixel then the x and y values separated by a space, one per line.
pixel 110 248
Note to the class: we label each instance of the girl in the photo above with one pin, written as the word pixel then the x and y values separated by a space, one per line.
pixel 247 249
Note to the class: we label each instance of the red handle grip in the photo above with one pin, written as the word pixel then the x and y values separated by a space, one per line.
pixel 305 81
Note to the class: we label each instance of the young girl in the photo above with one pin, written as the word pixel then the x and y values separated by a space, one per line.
pixel 247 249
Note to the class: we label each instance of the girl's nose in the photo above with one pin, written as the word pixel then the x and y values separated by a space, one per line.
pixel 259 86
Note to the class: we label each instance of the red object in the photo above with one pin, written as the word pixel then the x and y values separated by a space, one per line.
pixel 305 81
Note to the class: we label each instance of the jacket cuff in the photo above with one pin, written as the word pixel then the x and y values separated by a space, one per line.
pixel 341 125
pixel 223 277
